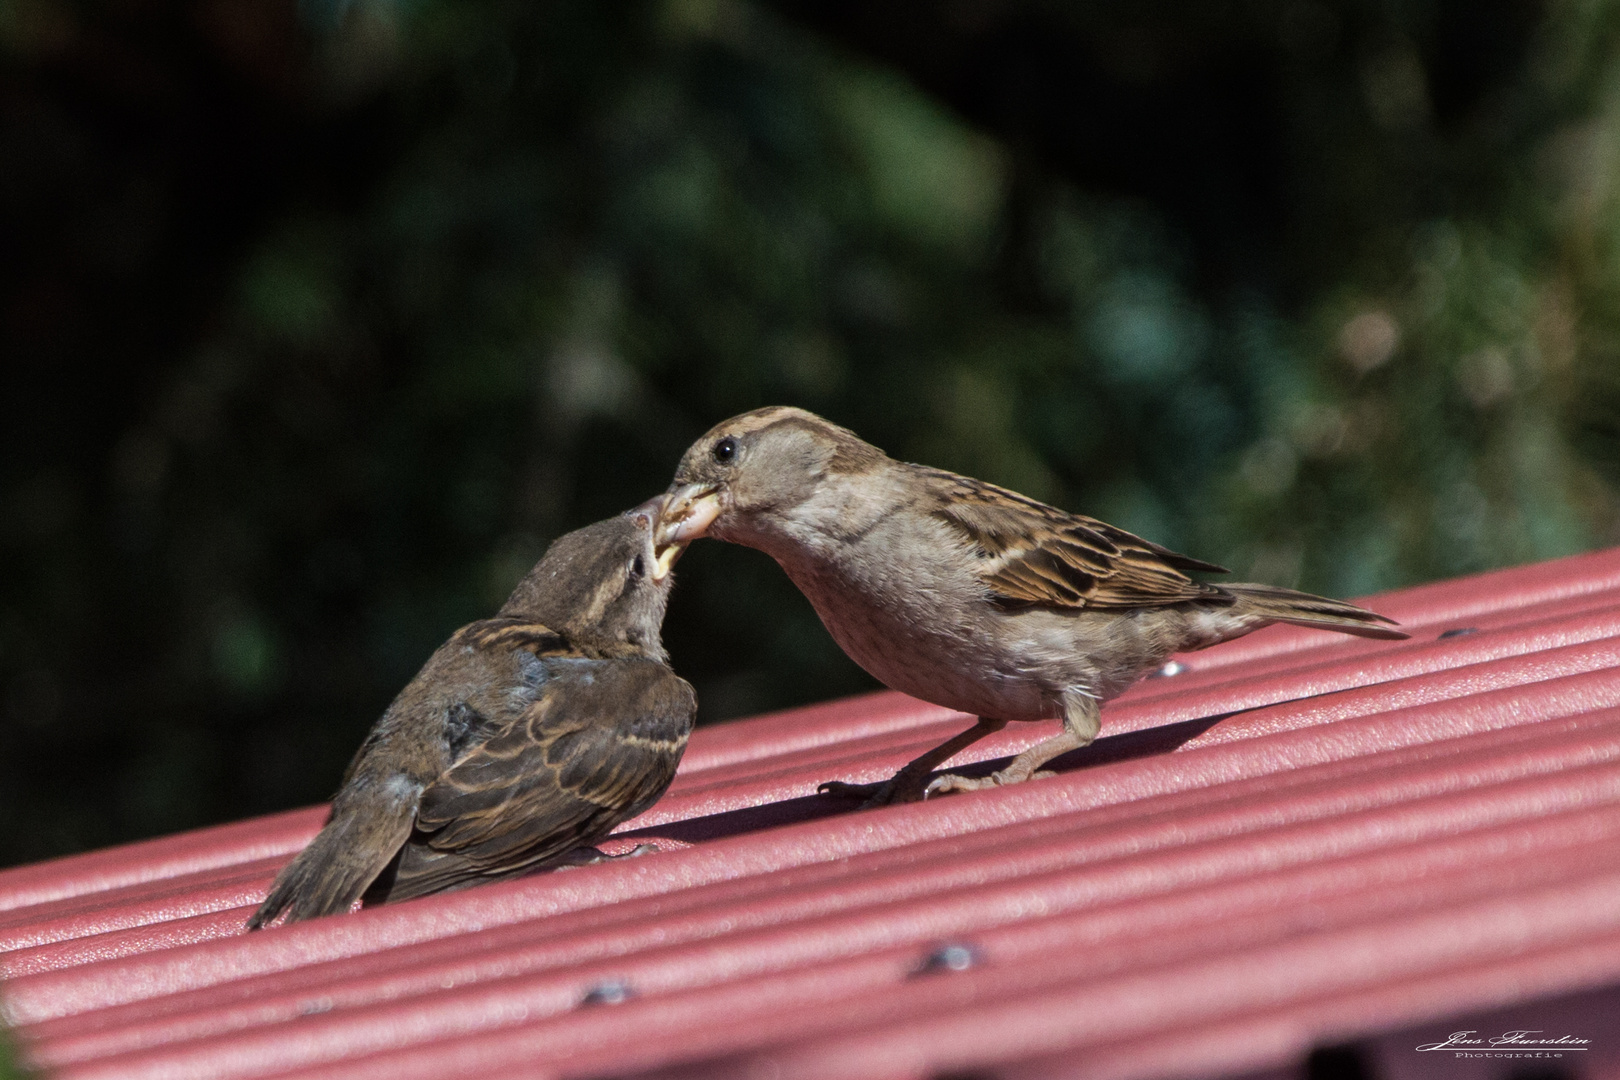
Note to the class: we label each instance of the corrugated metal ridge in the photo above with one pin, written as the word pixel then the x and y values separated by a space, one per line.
pixel 1285 1031
pixel 1588 690
pixel 1257 980
pixel 874 757
pixel 130 905
pixel 964 897
pixel 1504 592
pixel 950 861
pixel 1324 828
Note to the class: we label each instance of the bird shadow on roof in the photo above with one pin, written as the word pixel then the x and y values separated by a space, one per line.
pixel 1108 750
pixel 749 819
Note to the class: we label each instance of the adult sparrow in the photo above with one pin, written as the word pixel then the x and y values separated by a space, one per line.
pixel 963 593
pixel 523 738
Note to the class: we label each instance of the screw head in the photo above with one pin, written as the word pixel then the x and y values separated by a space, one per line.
pixel 953 956
pixel 611 992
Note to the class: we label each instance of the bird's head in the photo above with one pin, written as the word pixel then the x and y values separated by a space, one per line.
pixel 605 586
pixel 756 465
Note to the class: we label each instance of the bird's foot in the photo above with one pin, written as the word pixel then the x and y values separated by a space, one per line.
pixel 950 783
pixel 897 789
pixel 840 790
pixel 589 856
pixel 637 851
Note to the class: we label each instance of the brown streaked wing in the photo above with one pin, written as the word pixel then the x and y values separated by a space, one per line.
pixel 1040 556
pixel 567 772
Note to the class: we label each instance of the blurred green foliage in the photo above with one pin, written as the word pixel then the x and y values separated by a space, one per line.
pixel 9 1069
pixel 321 320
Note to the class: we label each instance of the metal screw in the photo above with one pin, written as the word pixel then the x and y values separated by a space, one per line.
pixel 612 992
pixel 1171 667
pixel 952 957
pixel 1458 632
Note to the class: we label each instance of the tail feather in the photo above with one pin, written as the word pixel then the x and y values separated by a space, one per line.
pixel 1304 609
pixel 335 869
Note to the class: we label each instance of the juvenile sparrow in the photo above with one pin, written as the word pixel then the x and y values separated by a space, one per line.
pixel 962 593
pixel 523 738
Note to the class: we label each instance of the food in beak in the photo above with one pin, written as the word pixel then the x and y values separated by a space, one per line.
pixel 666 549
pixel 687 513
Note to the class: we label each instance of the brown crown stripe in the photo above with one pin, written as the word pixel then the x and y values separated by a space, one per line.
pixel 851 453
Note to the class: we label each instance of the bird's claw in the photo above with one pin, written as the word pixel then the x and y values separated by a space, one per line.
pixel 906 789
pixel 950 783
pixel 882 794
pixel 891 792
pixel 590 856
pixel 838 789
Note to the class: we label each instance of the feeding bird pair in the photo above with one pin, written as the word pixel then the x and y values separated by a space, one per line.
pixel 528 737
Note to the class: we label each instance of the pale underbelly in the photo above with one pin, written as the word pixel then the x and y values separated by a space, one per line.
pixel 947 668
pixel 1019 673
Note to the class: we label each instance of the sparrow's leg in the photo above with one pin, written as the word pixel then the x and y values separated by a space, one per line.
pixel 589 856
pixel 911 783
pixel 1082 717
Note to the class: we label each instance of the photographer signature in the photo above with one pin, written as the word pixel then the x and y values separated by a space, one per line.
pixel 1518 1040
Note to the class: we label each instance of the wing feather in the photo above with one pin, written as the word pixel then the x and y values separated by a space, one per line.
pixel 1035 555
pixel 600 744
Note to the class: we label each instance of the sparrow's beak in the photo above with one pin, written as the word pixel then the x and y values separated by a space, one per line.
pixel 665 549
pixel 664 557
pixel 688 512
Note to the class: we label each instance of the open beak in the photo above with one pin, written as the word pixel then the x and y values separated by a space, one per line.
pixel 664 560
pixel 688 512
pixel 677 518
pixel 665 549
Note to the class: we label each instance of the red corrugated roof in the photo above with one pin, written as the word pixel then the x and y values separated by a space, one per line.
pixel 1302 839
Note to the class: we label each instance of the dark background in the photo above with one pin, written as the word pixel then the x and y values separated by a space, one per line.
pixel 318 320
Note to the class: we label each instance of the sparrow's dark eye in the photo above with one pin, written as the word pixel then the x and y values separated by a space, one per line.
pixel 725 449
pixel 637 568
